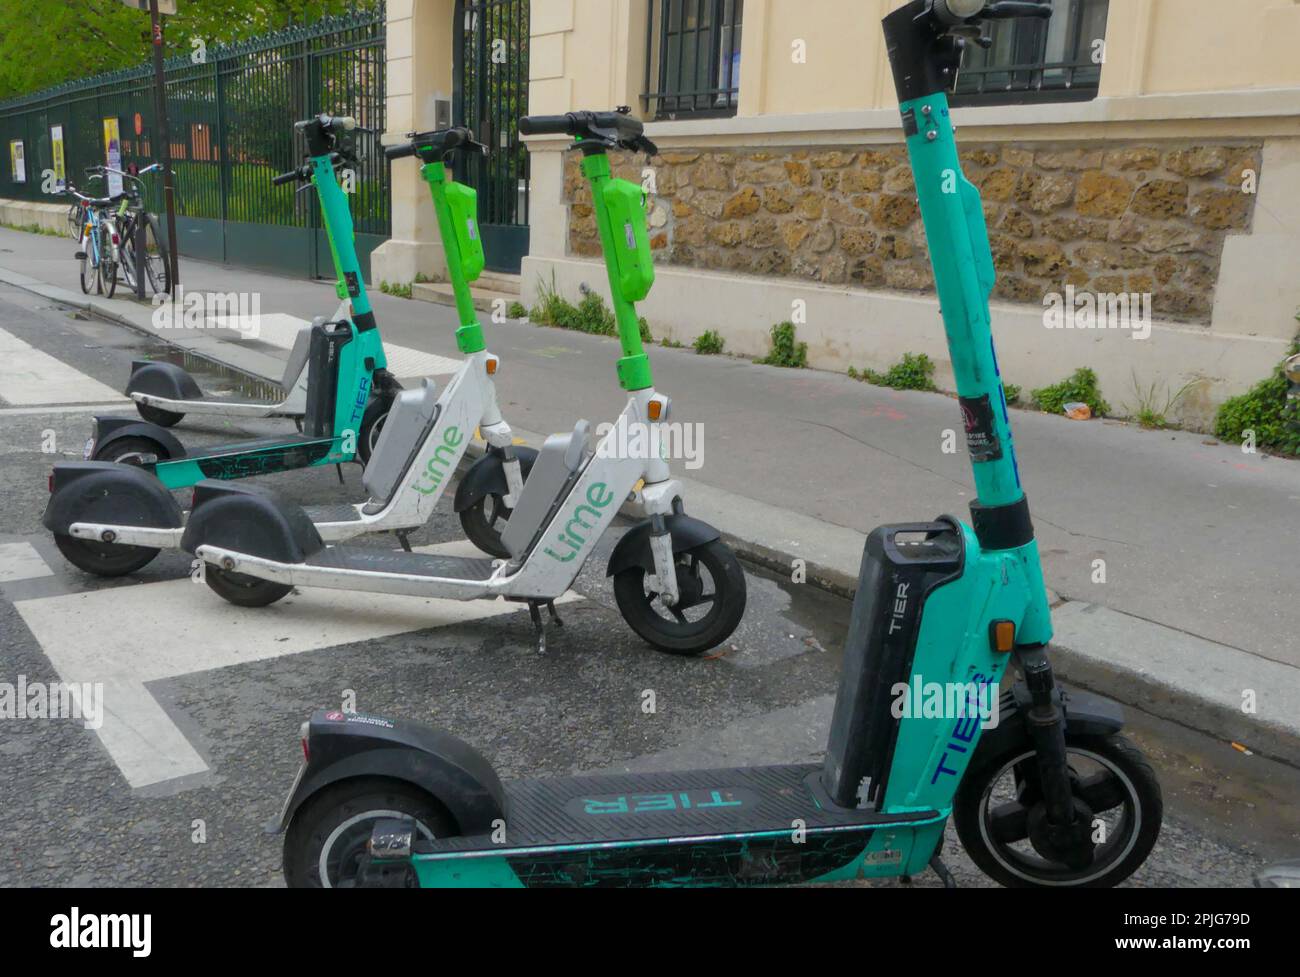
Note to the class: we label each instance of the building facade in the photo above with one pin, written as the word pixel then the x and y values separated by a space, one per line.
pixel 1134 155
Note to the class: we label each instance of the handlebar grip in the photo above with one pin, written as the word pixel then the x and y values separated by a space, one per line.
pixel 400 152
pixel 1010 9
pixel 284 178
pixel 545 125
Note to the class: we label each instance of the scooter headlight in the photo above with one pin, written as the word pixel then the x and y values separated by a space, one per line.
pixel 957 11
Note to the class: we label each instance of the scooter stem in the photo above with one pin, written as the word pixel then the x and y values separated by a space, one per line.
pixel 469 337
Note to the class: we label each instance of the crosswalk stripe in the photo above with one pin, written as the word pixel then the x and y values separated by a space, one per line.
pixel 30 376
pixel 20 561
pixel 87 409
pixel 154 631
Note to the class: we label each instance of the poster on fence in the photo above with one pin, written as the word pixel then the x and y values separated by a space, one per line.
pixel 17 164
pixel 56 147
pixel 113 155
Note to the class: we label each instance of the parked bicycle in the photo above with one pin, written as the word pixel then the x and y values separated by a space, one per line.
pixel 98 238
pixel 136 251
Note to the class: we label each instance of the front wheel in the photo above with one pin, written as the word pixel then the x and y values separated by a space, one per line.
pixel 108 278
pixel 243 590
pixel 1000 801
pixel 328 836
pixel 485 520
pixel 711 588
pixel 89 270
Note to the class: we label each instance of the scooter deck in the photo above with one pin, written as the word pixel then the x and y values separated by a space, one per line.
pixel 342 512
pixel 361 559
pixel 644 808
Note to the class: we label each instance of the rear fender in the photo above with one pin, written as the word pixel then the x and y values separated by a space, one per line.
pixel 343 746
pixel 161 379
pixel 110 494
pixel 110 429
pixel 250 520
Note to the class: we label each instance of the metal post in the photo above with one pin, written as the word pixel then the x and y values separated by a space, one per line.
pixel 169 192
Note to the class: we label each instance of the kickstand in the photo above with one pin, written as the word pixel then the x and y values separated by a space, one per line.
pixel 555 617
pixel 941 870
pixel 539 628
pixel 339 470
pixel 403 537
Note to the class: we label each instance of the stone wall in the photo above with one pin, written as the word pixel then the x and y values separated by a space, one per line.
pixel 1113 217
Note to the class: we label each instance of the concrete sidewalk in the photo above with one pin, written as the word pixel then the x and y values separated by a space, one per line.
pixel 1173 555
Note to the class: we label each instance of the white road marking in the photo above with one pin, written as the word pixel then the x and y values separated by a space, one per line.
pixel 87 409
pixel 125 637
pixel 20 561
pixel 29 376
pixel 279 329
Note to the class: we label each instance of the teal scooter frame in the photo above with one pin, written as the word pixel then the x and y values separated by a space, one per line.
pixel 1049 795
pixel 348 395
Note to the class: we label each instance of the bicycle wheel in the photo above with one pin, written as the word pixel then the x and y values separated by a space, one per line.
pixel 127 267
pixel 89 267
pixel 76 220
pixel 157 268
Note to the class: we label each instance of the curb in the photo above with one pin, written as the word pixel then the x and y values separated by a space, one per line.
pixel 1180 677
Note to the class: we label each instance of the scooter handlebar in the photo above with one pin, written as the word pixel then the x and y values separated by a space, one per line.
pixel 433 145
pixel 968 12
pixel 546 125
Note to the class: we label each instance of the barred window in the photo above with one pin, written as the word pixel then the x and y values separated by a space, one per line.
pixel 1057 60
pixel 693 58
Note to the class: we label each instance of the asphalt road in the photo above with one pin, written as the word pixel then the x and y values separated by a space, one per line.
pixel 71 817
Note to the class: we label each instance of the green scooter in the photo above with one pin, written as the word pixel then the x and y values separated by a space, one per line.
pixel 1049 795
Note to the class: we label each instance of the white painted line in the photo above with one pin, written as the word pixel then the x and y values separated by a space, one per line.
pixel 20 561
pixel 179 627
pixel 86 409
pixel 29 376
pixel 278 329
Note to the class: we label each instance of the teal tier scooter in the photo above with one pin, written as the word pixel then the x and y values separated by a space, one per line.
pixel 1049 795
pixel 349 393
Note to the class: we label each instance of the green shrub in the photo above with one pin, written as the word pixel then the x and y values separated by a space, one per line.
pixel 671 344
pixel 517 311
pixel 396 290
pixel 591 315
pixel 913 373
pixel 1266 411
pixel 710 344
pixel 1013 393
pixel 1079 388
pixel 785 351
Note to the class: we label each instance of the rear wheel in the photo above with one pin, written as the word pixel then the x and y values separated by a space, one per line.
pixel 243 590
pixel 157 268
pixel 329 833
pixel 131 451
pixel 711 586
pixel 89 270
pixel 156 415
pixel 103 559
pixel 1000 803
pixel 484 521
pixel 108 278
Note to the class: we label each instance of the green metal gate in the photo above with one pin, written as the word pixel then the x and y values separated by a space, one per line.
pixel 490 97
pixel 231 117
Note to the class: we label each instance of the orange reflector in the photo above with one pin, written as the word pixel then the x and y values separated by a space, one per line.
pixel 1004 636
pixel 656 409
pixel 492 365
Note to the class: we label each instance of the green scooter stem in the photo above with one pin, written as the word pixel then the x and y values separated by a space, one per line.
pixel 469 337
pixel 953 215
pixel 634 371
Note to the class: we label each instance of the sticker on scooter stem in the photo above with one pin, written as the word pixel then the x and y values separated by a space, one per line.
pixel 981 435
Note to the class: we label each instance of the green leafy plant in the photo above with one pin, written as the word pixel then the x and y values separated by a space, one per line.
pixel 1012 392
pixel 915 372
pixel 671 344
pixel 396 290
pixel 517 310
pixel 1081 388
pixel 1266 411
pixel 786 352
pixel 591 315
pixel 1151 411
pixel 422 279
pixel 33 229
pixel 710 344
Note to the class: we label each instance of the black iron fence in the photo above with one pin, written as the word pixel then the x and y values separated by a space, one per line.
pixel 231 113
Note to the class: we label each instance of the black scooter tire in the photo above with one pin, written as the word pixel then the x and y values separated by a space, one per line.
pixel 156 415
pixel 1136 778
pixel 104 559
pixel 243 590
pixel 692 638
pixel 485 533
pixel 317 824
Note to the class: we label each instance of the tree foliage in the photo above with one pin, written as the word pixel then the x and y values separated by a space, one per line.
pixel 48 42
